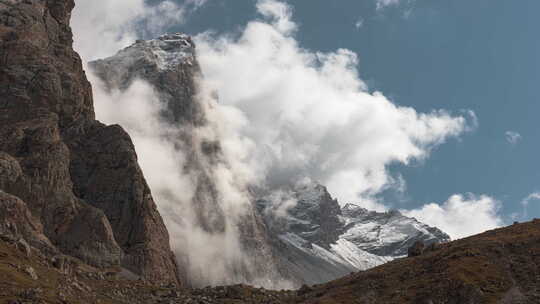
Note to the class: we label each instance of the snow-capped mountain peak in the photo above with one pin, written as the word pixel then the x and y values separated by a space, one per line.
pixel 324 240
pixel 165 53
pixel 169 50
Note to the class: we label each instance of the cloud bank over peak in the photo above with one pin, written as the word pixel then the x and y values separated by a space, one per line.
pixel 461 216
pixel 310 114
pixel 116 24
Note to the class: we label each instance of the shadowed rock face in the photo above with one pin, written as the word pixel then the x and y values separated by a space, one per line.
pixel 169 65
pixel 68 183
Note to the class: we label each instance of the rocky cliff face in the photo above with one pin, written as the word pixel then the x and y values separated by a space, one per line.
pixel 169 65
pixel 321 241
pixel 68 184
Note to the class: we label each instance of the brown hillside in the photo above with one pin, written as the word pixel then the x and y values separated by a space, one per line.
pixel 498 266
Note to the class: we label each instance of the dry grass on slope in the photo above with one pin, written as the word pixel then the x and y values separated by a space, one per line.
pixel 498 266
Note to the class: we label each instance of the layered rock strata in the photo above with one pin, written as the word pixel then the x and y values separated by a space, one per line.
pixel 68 184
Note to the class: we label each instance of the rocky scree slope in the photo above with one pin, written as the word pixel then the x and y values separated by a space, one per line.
pixel 319 241
pixel 68 184
pixel 26 276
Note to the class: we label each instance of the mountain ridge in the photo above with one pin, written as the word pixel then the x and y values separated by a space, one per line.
pixel 72 184
pixel 330 241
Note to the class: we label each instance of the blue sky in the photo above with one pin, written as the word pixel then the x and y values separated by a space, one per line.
pixel 482 55
pixel 423 55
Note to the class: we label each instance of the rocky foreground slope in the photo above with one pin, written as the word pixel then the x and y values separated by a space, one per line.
pixel 501 266
pixel 69 185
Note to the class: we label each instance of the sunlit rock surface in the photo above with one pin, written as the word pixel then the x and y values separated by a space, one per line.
pixel 68 184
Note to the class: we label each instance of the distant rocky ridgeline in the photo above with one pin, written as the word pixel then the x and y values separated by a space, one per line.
pixel 320 241
pixel 68 184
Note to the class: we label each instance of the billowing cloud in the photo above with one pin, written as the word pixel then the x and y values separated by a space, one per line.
pixel 461 216
pixel 103 29
pixel 310 114
pixel 512 137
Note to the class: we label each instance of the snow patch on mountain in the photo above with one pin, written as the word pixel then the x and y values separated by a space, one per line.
pixel 357 257
pixel 166 52
pixel 348 238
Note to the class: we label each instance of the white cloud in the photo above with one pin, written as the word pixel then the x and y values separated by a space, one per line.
pixel 384 3
pixel 461 216
pixel 407 4
pixel 359 23
pixel 280 13
pixel 309 113
pixel 526 201
pixel 103 29
pixel 512 137
pixel 532 196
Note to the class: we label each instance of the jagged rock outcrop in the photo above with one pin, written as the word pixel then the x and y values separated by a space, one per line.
pixel 170 66
pixel 68 182
pixel 416 249
pixel 16 221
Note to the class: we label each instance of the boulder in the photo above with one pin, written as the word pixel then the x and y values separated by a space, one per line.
pixel 416 249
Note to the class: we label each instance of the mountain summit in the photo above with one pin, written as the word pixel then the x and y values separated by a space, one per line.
pixel 169 66
pixel 323 241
